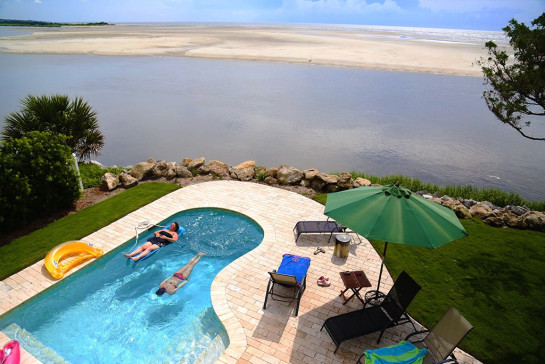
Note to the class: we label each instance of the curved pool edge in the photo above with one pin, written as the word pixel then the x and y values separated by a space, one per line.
pixel 238 341
pixel 238 291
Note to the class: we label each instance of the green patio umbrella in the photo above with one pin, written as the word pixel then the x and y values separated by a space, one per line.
pixel 394 214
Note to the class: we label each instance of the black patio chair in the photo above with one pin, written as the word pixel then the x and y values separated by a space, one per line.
pixel 388 313
pixel 321 227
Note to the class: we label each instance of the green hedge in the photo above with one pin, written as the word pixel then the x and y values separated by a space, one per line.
pixel 37 177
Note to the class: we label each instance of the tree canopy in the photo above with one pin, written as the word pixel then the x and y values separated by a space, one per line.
pixel 59 115
pixel 517 94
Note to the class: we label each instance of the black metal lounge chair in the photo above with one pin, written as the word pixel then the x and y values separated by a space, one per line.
pixel 443 338
pixel 320 227
pixel 389 313
pixel 292 273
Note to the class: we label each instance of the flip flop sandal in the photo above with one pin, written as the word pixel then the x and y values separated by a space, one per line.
pixel 320 282
pixel 324 282
pixel 319 250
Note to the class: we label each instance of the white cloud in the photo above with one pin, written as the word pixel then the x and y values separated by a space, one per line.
pixel 345 6
pixel 464 6
pixel 37 1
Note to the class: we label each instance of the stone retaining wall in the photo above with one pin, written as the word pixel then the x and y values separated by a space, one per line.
pixel 509 216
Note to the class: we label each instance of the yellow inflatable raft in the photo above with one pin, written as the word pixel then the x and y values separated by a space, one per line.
pixel 67 255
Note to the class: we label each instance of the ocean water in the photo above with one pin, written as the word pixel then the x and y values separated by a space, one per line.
pixel 13 31
pixel 413 33
pixel 433 127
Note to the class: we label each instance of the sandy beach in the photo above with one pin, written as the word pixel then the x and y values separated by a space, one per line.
pixel 334 47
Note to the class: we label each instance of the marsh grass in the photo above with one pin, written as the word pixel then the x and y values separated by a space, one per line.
pixel 497 197
pixel 33 247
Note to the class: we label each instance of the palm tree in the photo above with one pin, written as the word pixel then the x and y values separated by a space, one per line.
pixel 57 114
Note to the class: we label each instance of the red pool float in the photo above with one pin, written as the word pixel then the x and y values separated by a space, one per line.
pixel 11 354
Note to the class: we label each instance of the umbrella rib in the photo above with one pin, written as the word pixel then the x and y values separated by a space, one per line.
pixel 418 204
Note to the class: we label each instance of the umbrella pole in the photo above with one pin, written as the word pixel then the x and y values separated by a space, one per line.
pixel 381 267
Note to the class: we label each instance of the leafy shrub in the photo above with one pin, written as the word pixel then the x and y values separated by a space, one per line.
pixel 37 176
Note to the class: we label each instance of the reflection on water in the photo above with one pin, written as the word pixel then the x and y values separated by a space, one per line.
pixel 433 127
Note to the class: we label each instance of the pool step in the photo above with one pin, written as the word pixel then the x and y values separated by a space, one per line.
pixel 32 345
pixel 205 346
pixel 214 350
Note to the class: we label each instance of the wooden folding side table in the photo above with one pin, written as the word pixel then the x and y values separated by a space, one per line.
pixel 355 281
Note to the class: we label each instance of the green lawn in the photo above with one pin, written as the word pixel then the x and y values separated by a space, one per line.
pixel 494 277
pixel 33 247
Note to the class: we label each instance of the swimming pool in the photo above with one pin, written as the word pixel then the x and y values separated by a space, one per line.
pixel 108 311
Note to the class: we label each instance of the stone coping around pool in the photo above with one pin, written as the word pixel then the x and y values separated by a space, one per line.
pixel 256 335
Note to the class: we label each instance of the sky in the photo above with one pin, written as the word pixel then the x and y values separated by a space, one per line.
pixel 452 14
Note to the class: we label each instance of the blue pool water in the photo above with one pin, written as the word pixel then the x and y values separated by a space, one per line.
pixel 108 311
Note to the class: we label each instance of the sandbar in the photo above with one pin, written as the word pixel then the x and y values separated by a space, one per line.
pixel 386 50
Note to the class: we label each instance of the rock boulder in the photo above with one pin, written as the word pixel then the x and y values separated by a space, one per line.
pixel 345 181
pixel 141 170
pixel 242 174
pixel 461 211
pixel 218 168
pixel 288 175
pixel 245 164
pixel 127 181
pixel 196 163
pixel 534 220
pixel 182 171
pixel 361 182
pixel 159 169
pixel 109 181
pixel 328 178
pixel 481 211
pixel 310 174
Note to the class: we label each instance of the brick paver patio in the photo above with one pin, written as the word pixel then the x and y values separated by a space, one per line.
pixel 273 335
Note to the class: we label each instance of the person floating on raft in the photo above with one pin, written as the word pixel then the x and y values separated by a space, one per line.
pixel 178 279
pixel 162 237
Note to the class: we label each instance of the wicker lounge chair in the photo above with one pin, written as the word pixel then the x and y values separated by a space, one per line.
pixel 292 273
pixel 389 313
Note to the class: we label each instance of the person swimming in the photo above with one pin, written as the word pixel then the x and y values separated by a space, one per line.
pixel 160 239
pixel 179 278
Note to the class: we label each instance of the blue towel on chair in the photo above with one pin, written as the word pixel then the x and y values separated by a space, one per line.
pixel 402 353
pixel 293 265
